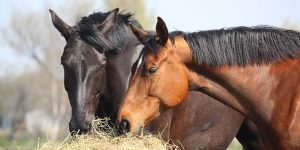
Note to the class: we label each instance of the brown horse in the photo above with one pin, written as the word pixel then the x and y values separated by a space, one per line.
pixel 255 71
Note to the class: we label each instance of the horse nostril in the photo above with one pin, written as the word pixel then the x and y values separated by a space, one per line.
pixel 125 125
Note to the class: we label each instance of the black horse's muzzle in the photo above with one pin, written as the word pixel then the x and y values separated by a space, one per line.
pixel 79 127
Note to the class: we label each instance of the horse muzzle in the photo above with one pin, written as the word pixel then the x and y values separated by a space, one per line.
pixel 79 126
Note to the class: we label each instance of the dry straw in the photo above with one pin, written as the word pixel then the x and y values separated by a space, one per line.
pixel 102 137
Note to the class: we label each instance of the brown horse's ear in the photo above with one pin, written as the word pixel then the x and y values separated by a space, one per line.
pixel 141 34
pixel 110 20
pixel 60 25
pixel 162 31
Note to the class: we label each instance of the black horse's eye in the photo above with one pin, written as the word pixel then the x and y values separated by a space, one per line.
pixel 151 70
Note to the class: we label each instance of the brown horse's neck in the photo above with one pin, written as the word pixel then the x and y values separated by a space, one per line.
pixel 247 89
pixel 252 90
pixel 182 50
pixel 268 95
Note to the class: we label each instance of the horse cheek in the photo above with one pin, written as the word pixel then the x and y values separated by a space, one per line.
pixel 183 91
pixel 179 92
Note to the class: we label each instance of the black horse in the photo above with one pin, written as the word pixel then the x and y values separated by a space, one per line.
pixel 97 59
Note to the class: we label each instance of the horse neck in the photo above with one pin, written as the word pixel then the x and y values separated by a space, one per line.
pixel 182 50
pixel 248 89
pixel 119 69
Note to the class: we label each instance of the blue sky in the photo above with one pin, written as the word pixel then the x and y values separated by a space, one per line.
pixel 191 15
pixel 186 15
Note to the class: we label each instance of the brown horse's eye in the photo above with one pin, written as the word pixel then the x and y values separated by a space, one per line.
pixel 151 70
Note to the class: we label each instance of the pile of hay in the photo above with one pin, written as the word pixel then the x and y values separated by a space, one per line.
pixel 102 137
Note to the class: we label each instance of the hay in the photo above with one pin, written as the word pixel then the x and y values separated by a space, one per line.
pixel 102 137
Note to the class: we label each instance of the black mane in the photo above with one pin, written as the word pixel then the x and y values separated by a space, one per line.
pixel 115 38
pixel 243 45
pixel 240 45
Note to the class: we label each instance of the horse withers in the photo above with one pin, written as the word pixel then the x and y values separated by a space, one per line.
pixel 253 70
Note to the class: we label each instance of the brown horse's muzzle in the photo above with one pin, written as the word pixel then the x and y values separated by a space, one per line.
pixel 124 126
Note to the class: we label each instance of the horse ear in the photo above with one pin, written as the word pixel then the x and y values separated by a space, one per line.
pixel 162 31
pixel 110 20
pixel 141 34
pixel 60 25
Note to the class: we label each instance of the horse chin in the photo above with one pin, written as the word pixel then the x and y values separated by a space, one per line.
pixel 138 131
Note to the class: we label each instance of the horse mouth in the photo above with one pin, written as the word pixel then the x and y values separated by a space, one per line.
pixel 140 131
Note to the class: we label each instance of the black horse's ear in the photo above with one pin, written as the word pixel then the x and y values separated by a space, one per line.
pixel 141 34
pixel 60 25
pixel 110 20
pixel 162 31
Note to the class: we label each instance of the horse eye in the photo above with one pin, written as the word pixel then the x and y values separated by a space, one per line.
pixel 152 70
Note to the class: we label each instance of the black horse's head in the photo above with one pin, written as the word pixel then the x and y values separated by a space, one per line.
pixel 84 65
pixel 96 76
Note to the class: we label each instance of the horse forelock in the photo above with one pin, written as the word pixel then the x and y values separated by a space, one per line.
pixel 114 39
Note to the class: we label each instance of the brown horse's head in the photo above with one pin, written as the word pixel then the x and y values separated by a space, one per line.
pixel 84 69
pixel 160 82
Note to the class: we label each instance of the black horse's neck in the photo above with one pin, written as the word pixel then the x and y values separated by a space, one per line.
pixel 118 72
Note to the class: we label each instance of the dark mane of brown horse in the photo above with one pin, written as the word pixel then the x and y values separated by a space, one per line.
pixel 117 36
pixel 240 45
